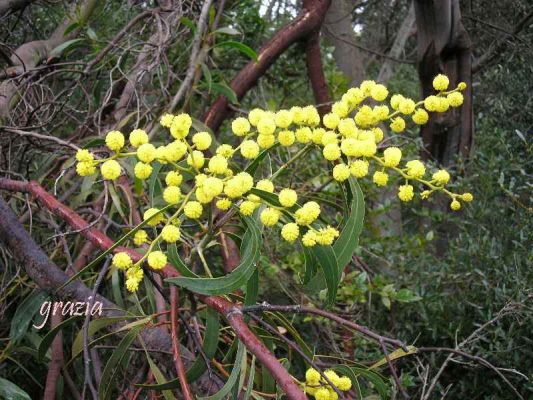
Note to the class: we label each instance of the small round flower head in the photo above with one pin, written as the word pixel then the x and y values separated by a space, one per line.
pixel 392 157
pixel 84 155
pixel 442 104
pixel 331 120
pixel 461 86
pixel 240 126
pixel 415 169
pixel 420 117
pixel 341 172
pixel 85 168
pixel 322 394
pixel 359 168
pixel 249 149
pixel 122 260
pixel 364 117
pixel 223 204
pixel 166 120
pixel 405 193
pixel 288 197
pixel 378 134
pixel 217 165
pixel 255 115
pixel 283 119
pixel 138 137
pixel 455 99
pixel 397 125
pixel 134 276
pixel 368 148
pixel 114 140
pixel 266 185
pixel 303 134
pixel 312 376
pixel 202 140
pixel 132 284
pixel 170 233
pixel 172 195
pixel 212 186
pixel 379 92
pixel 326 236
pixel 286 138
pixel 341 109
pixel 266 125
pixel 441 177
pixel 332 376
pixel 331 152
pixel 269 216
pixel 441 82
pixel 350 147
pixel 467 197
pixel 317 134
pixel 146 153
pixel 407 106
pixel 193 209
pixel 367 87
pixel 380 178
pixel 196 159
pixel 161 154
pixel 140 237
pixel 298 116
pixel 174 151
pixel 309 238
pixel 308 213
pixel 381 113
pixel 431 103
pixel 247 207
pixel 173 178
pixel 395 101
pixel 290 232
pixel 180 126
pixel 347 127
pixel 455 205
pixel 344 383
pixel 329 137
pixel 265 141
pixel 110 170
pixel 225 150
pixel 157 259
pixel 142 170
pixel 155 220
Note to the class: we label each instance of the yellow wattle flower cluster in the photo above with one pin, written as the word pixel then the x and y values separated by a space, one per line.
pixel 316 386
pixel 348 136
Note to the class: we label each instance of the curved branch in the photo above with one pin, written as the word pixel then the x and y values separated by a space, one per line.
pixel 315 72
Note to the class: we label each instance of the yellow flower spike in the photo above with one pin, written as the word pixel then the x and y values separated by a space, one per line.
pixel 288 197
pixel 441 82
pixel 114 140
pixel 249 149
pixel 406 193
pixel 286 138
pixel 170 233
pixel 240 126
pixel 122 260
pixel 172 195
pixel 193 209
pixel 110 170
pixel 157 260
pixel 83 155
pixel 341 172
pixel 455 205
pixel 138 137
pixel 392 157
pixel 142 170
pixel 140 237
pixel 202 140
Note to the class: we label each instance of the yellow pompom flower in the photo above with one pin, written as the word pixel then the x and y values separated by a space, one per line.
pixel 172 195
pixel 155 220
pixel 122 260
pixel 266 185
pixel 312 376
pixel 288 197
pixel 265 141
pixel 193 209
pixel 406 193
pixel 170 233
pixel 347 127
pixel 84 155
pixel 303 134
pixel 441 82
pixel 461 86
pixel 344 383
pixel 142 170
pixel 322 394
pixel 441 177
pixel 455 205
pixel 217 165
pixel 114 140
pixel 341 109
pixel 196 159
pixel 392 157
pixel 351 147
pixel 269 216
pixel 467 197
pixel 254 116
pixel 395 101
pixel 180 126
pixel 332 376
pixel 397 125
pixel 290 232
pixel 309 238
pixel 157 260
pixel 379 92
pixel 138 137
pixel 249 149
pixel 368 147
pixel 140 237
pixel 359 168
pixel 174 151
pixel 407 106
pixel 367 87
pixel 329 137
pixel 415 169
pixel 146 153
pixel 381 113
pixel 212 186
pixel 364 117
pixel 166 120
pixel 240 126
pixel 134 276
pixel 331 152
pixel 132 284
pixel 431 103
pixel 85 168
pixel 266 125
pixel 326 236
pixel 225 150
pixel 317 135
pixel 110 170
pixel 286 138
pixel 202 140
pixel 380 178
pixel 248 207
pixel 283 119
pixel 455 99
pixel 298 116
pixel 341 172
pixel 420 117
pixel 378 134
pixel 173 178
pixel 223 204
pixel 331 120
pixel 442 104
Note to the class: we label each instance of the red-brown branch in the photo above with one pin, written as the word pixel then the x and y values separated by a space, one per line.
pixel 230 310
pixel 56 362
pixel 309 20
pixel 315 72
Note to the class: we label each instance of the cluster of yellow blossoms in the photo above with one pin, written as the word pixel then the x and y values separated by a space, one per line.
pixel 315 385
pixel 348 136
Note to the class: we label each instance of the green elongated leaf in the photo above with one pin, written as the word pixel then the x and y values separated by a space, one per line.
pixel 238 277
pixel 268 384
pixel 347 371
pixel 10 391
pixel 207 75
pixel 49 337
pixel 226 30
pixel 154 186
pixel 116 201
pixel 25 312
pixel 176 261
pixel 250 384
pixel 252 289
pixel 379 382
pixel 327 259
pixel 281 320
pixel 232 380
pixel 310 265
pixel 159 377
pixel 209 347
pixel 252 167
pixel 244 49
pixel 188 23
pixel 347 242
pixel 56 52
pixel 225 90
pixel 111 368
